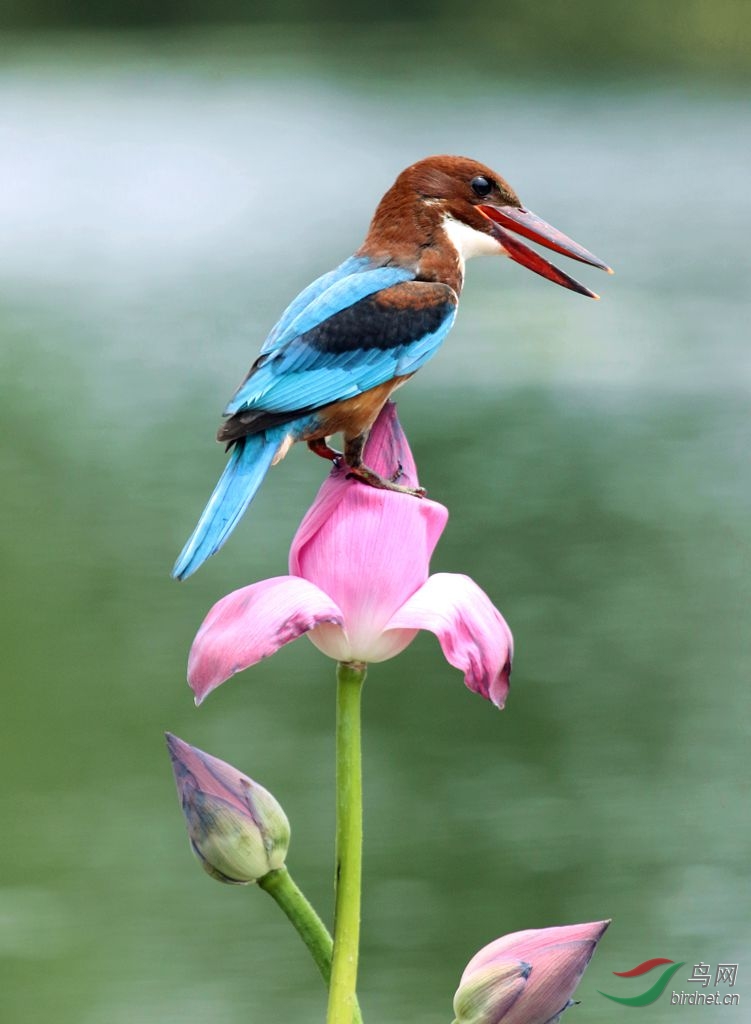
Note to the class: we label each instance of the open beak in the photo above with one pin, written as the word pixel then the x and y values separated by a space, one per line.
pixel 523 222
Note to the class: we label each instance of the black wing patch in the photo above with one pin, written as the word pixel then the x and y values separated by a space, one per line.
pixel 388 319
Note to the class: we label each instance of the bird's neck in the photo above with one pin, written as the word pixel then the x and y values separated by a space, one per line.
pixel 420 237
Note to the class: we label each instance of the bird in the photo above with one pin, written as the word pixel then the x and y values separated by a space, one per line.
pixel 358 332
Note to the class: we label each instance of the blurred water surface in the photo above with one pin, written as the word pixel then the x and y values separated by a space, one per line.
pixel 158 212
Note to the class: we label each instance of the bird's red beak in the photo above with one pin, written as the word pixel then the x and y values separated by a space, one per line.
pixel 523 222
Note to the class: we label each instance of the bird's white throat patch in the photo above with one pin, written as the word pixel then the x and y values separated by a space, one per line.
pixel 468 241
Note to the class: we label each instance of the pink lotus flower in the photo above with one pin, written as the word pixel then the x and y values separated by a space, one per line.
pixel 359 586
pixel 526 977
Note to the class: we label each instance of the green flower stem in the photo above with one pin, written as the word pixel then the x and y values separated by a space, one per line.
pixel 342 999
pixel 311 929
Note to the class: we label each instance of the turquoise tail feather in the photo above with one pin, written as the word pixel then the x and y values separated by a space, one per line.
pixel 248 464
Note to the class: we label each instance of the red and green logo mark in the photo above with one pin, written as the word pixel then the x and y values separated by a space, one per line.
pixel 652 993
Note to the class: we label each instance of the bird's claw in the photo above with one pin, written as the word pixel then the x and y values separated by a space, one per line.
pixel 372 479
pixel 418 492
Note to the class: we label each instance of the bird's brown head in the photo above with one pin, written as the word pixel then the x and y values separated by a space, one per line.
pixel 459 186
pixel 476 209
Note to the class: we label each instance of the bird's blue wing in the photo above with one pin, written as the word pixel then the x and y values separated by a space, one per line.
pixel 354 336
pixel 339 296
pixel 353 265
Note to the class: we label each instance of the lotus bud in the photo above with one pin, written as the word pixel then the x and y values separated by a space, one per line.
pixel 237 829
pixel 494 991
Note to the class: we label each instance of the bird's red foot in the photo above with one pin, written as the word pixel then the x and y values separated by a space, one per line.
pixel 319 447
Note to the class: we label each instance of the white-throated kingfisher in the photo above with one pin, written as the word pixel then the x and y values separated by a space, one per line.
pixel 357 333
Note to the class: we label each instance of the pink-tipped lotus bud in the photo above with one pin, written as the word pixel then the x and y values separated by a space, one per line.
pixel 236 828
pixel 554 958
pixel 486 996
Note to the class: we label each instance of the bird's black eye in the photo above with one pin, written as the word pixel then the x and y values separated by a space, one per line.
pixel 481 186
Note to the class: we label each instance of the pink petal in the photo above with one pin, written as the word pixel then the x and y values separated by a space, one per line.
pixel 212 776
pixel 252 623
pixel 205 772
pixel 387 448
pixel 368 549
pixel 371 553
pixel 529 944
pixel 473 634
pixel 490 993
pixel 551 983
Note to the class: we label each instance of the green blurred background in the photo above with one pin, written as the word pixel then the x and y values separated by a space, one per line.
pixel 170 176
